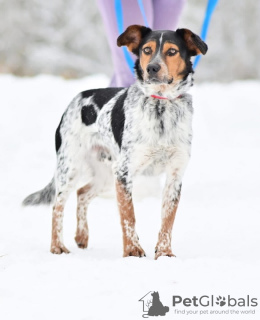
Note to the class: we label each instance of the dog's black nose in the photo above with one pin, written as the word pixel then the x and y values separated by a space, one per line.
pixel 152 69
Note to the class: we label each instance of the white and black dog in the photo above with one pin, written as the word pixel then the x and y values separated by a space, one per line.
pixel 115 134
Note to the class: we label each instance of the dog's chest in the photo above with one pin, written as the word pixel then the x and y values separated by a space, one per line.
pixel 149 160
pixel 161 133
pixel 161 123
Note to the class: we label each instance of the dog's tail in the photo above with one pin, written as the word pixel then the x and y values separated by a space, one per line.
pixel 166 309
pixel 45 196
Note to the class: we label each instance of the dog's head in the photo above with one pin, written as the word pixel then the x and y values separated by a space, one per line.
pixel 164 56
pixel 155 295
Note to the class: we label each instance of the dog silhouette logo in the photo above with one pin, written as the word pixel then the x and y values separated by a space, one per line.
pixel 152 305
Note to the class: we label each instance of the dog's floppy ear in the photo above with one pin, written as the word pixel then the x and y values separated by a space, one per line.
pixel 193 42
pixel 132 37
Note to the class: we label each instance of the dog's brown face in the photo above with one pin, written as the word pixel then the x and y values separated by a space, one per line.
pixel 161 62
pixel 164 56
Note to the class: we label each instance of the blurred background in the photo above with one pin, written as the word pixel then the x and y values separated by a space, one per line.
pixel 67 38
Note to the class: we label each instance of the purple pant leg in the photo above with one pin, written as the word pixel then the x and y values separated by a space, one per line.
pixel 131 15
pixel 167 14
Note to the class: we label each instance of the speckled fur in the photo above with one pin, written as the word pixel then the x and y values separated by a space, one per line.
pixel 156 138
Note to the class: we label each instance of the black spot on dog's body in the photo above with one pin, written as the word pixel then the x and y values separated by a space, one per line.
pixel 159 109
pixel 144 103
pixel 88 115
pixel 161 127
pixel 104 95
pixel 189 106
pixel 101 96
pixel 123 178
pixel 145 100
pixel 157 106
pixel 87 93
pixel 58 136
pixel 179 191
pixel 118 119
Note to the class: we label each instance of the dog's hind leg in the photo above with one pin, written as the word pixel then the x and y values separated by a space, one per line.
pixel 57 245
pixel 66 180
pixel 84 196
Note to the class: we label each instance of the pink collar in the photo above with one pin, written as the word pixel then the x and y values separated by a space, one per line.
pixel 163 98
pixel 158 97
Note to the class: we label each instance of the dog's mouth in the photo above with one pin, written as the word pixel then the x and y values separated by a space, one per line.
pixel 159 81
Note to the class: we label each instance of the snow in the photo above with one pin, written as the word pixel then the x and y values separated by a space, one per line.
pixel 215 236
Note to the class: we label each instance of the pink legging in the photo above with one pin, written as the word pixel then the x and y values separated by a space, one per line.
pixel 160 14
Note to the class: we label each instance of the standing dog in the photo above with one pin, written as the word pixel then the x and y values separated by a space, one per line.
pixel 124 132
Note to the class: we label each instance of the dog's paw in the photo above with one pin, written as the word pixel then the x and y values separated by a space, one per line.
pixel 59 249
pixel 82 240
pixel 134 251
pixel 163 253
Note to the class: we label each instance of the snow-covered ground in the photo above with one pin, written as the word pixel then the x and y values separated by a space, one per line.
pixel 216 234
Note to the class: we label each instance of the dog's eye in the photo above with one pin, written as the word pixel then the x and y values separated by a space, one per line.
pixel 171 52
pixel 147 50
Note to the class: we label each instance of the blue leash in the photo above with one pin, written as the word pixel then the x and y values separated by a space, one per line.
pixel 120 26
pixel 141 6
pixel 209 11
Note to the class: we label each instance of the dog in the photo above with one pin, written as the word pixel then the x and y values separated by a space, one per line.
pixel 108 136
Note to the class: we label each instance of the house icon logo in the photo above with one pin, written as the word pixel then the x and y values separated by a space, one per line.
pixel 152 305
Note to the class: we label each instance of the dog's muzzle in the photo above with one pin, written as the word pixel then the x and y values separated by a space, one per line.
pixel 153 69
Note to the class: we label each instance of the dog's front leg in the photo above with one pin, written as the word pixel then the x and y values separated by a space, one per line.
pixel 171 197
pixel 127 216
